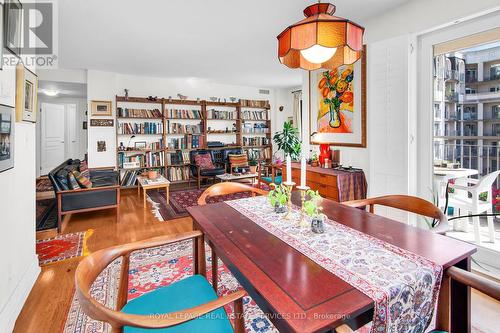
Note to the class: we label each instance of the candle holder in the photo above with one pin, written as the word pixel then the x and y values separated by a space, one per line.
pixel 303 220
pixel 289 187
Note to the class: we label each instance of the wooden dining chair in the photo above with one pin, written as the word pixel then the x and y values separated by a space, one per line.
pixel 407 203
pixel 223 189
pixel 228 188
pixel 475 281
pixel 188 305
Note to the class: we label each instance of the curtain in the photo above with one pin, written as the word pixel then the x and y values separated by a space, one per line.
pixel 297 111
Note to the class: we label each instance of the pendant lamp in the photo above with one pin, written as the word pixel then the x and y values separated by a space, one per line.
pixel 321 40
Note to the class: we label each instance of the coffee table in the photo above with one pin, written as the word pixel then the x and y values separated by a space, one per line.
pixel 148 184
pixel 228 177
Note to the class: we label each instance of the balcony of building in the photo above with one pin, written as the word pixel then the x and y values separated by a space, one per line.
pixel 475 96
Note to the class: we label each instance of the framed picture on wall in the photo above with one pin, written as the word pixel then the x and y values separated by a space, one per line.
pixel 13 17
pixel 6 137
pixel 26 94
pixel 100 108
pixel 338 105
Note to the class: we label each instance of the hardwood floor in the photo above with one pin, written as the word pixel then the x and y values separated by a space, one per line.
pixel 49 300
pixel 48 303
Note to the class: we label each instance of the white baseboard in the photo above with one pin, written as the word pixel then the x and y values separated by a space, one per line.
pixel 14 304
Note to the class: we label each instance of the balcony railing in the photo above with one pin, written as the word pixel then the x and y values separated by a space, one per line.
pixel 485 159
pixel 453 74
pixel 451 97
pixel 470 116
pixel 470 78
pixel 483 95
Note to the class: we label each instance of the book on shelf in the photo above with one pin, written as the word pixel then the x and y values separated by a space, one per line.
pixel 254 103
pixel 138 113
pixel 257 141
pixel 221 114
pixel 140 128
pixel 178 128
pixel 129 178
pixel 183 113
pixel 261 154
pixel 189 141
pixel 177 173
pixel 146 159
pixel 255 128
pixel 254 115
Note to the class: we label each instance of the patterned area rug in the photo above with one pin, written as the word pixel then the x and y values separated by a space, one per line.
pixel 62 247
pixel 46 214
pixel 153 268
pixel 43 184
pixel 180 200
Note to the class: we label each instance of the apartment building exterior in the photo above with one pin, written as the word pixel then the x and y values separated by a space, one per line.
pixel 467 108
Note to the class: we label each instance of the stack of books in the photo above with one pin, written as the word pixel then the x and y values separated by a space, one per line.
pixel 255 103
pixel 178 128
pixel 258 141
pixel 138 113
pixel 177 173
pixel 220 114
pixel 140 128
pixel 183 114
pixel 254 115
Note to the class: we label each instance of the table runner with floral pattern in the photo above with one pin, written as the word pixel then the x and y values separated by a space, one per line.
pixel 403 285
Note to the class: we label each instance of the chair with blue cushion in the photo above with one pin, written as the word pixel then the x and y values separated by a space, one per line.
pixel 270 174
pixel 189 305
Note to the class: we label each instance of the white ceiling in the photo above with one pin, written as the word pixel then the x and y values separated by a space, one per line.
pixel 229 41
pixel 63 89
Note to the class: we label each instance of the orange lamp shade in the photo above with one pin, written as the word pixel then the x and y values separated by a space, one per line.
pixel 321 40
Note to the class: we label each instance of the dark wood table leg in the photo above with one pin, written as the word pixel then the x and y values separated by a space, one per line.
pixel 460 321
pixel 200 266
pixel 215 270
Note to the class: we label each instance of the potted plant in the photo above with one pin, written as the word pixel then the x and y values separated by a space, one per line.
pixel 278 197
pixel 312 210
pixel 252 162
pixel 288 140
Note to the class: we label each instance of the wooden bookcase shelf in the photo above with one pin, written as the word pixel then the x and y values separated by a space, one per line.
pixel 203 106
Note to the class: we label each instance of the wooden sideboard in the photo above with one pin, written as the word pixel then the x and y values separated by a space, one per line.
pixel 318 179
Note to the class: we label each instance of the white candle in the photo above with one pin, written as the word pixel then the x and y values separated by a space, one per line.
pixel 288 169
pixel 303 169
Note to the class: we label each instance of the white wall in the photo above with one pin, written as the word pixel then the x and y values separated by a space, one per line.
pixel 18 261
pixel 106 85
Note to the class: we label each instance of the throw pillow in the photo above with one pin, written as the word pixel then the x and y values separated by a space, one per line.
pixel 73 184
pixel 240 160
pixel 204 161
pixel 84 169
pixel 82 180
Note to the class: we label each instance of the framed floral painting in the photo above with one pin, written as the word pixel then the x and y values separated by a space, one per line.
pixel 338 105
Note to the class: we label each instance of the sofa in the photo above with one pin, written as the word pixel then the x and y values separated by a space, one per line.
pixel 102 193
pixel 199 173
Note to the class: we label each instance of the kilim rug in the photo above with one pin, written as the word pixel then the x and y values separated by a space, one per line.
pixel 180 200
pixel 62 247
pixel 153 268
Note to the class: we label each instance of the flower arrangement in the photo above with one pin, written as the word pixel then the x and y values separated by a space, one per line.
pixel 278 197
pixel 335 90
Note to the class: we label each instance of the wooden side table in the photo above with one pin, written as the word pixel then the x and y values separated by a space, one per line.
pixel 147 184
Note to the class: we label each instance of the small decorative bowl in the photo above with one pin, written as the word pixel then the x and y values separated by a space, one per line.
pixel 152 174
pixel 213 99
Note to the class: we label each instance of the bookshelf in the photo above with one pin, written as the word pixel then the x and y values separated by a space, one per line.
pixel 158 134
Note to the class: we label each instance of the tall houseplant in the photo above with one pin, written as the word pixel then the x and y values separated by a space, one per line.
pixel 288 140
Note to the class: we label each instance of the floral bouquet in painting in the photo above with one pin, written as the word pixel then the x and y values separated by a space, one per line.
pixel 336 100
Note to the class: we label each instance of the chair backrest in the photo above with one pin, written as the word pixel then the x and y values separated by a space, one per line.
pixel 484 184
pixel 228 188
pixel 407 203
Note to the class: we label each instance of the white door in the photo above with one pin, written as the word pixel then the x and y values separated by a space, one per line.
pixel 53 124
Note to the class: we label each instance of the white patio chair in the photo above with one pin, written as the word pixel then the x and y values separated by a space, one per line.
pixel 460 199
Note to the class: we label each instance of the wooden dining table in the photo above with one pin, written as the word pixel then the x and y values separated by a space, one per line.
pixel 296 293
